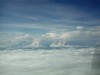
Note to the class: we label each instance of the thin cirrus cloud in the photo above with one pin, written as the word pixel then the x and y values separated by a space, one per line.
pixel 47 12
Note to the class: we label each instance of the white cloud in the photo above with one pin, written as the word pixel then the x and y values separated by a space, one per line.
pixel 51 39
pixel 70 35
pixel 20 41
pixel 21 37
pixel 79 27
pixel 60 39
pixel 58 44
pixel 43 62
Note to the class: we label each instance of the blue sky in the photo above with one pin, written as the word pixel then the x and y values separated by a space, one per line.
pixel 51 19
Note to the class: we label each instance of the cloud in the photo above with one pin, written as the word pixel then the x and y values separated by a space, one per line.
pixel 79 27
pixel 43 62
pixel 62 39
pixel 45 15
pixel 15 40
pixel 21 41
pixel 53 39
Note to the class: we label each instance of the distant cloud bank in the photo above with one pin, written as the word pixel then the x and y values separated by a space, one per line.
pixel 52 39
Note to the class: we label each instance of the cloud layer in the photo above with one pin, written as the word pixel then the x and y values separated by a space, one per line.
pixel 53 39
pixel 43 62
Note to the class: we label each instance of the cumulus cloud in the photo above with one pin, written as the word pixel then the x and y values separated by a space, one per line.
pixel 54 39
pixel 16 41
pixel 75 38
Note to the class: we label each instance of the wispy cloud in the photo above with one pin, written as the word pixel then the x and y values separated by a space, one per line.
pixel 47 13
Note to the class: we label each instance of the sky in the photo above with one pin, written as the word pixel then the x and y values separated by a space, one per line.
pixel 49 23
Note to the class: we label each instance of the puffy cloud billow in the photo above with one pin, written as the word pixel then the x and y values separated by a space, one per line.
pixel 16 41
pixel 76 38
